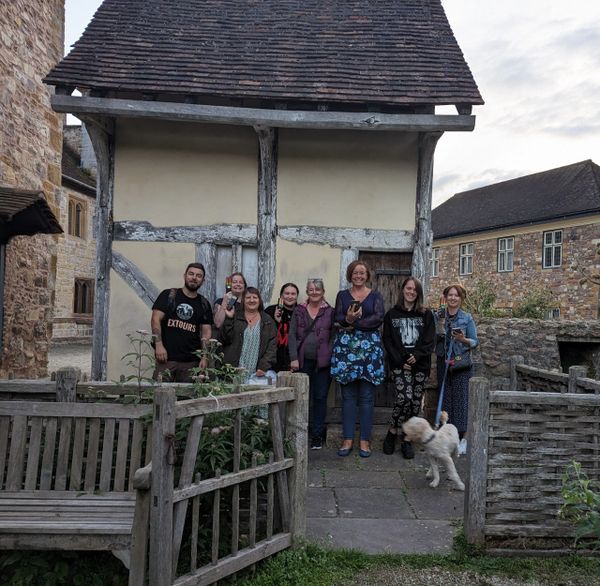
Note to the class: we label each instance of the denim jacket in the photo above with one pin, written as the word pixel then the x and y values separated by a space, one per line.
pixel 464 321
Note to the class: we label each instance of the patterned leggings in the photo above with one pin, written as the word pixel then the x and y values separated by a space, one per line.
pixel 409 386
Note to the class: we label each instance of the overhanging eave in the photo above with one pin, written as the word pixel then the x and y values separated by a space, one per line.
pixel 121 108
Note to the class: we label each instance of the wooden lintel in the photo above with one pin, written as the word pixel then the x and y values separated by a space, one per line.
pixel 362 238
pixel 214 233
pixel 259 117
pixel 106 125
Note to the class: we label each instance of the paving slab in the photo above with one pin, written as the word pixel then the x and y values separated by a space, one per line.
pixel 436 503
pixel 362 479
pixel 368 503
pixel 321 502
pixel 383 535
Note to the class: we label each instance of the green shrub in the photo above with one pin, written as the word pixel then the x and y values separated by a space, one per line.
pixel 481 299
pixel 536 304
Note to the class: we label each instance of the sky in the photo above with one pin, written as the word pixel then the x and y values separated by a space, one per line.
pixel 537 65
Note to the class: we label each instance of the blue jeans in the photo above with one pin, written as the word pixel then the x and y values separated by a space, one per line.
pixel 319 381
pixel 358 393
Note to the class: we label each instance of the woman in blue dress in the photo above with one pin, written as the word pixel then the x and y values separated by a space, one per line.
pixel 357 358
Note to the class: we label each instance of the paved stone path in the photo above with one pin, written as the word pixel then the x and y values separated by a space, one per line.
pixel 381 504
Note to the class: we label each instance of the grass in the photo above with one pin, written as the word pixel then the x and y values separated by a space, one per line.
pixel 313 565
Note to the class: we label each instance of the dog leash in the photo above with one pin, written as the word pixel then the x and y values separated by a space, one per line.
pixel 438 413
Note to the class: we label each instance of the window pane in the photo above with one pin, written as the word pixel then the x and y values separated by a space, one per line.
pixel 547 257
pixel 501 244
pixel 469 265
pixel 224 259
pixel 509 261
pixel 548 237
pixel 250 267
pixel 469 249
pixel 557 255
pixel 558 237
pixel 510 244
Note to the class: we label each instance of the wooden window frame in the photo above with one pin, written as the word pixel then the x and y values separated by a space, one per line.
pixel 465 256
pixel 505 254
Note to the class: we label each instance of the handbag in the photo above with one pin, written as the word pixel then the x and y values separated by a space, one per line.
pixel 460 362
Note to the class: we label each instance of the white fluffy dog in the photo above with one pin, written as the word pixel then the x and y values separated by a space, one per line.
pixel 440 445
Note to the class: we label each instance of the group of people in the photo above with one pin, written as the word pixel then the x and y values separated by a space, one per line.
pixel 345 342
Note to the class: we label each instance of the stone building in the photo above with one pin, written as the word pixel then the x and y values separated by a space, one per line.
pixel 31 43
pixel 541 230
pixel 76 248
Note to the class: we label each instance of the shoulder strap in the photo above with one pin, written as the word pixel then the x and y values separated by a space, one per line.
pixel 171 300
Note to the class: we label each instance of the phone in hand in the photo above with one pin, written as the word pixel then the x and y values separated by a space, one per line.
pixel 228 285
pixel 355 306
pixel 280 305
pixel 456 331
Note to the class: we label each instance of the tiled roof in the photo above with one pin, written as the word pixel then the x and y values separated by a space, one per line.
pixel 558 193
pixel 72 170
pixel 384 52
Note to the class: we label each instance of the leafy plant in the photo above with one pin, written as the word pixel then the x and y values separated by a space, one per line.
pixel 582 503
pixel 481 300
pixel 536 304
pixel 141 359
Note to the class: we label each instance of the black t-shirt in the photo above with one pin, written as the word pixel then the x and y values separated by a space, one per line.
pixel 181 328
pixel 283 330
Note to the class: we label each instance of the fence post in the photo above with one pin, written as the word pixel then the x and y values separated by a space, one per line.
pixel 161 515
pixel 297 434
pixel 475 497
pixel 576 372
pixel 514 375
pixel 66 384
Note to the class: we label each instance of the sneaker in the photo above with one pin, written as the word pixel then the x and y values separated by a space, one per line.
pixel 389 443
pixel 462 447
pixel 316 442
pixel 407 450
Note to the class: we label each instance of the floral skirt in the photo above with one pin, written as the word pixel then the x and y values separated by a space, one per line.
pixel 357 355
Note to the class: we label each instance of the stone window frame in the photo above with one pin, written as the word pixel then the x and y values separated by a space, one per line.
pixel 553 313
pixel 506 255
pixel 83 296
pixel 552 241
pixel 77 217
pixel 435 261
pixel 465 258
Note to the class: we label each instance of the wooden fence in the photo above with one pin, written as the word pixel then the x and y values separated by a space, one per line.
pixel 208 527
pixel 521 441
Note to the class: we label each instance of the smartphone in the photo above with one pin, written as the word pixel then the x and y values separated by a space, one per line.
pixel 280 305
pixel 228 285
pixel 456 331
pixel 355 306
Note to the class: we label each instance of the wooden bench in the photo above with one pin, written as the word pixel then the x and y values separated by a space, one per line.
pixel 67 474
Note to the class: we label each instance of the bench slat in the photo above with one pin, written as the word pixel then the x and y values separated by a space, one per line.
pixel 4 423
pixel 122 449
pixel 48 456
pixel 49 409
pixel 77 460
pixel 107 454
pixel 33 453
pixel 92 455
pixel 16 457
pixel 136 450
pixel 62 460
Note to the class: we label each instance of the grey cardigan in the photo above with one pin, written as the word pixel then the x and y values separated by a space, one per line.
pixel 231 335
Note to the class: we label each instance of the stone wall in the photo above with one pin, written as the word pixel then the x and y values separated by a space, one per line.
pixel 31 43
pixel 575 300
pixel 76 260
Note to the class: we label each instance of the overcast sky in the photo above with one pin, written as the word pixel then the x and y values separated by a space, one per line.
pixel 537 64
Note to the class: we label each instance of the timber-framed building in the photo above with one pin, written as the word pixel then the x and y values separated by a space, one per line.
pixel 281 138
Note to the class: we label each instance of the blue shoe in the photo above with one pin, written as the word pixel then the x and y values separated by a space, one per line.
pixel 364 453
pixel 343 452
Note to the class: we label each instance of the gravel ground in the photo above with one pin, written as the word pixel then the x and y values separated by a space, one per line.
pixel 441 577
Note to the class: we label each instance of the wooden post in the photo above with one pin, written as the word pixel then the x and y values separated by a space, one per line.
pixel 161 515
pixel 423 234
pixel 514 375
pixel 66 384
pixel 576 372
pixel 476 486
pixel 267 209
pixel 297 434
pixel 206 253
pixel 101 134
pixel 347 255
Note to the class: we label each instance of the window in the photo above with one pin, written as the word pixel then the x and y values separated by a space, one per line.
pixel 435 262
pixel 553 314
pixel 466 259
pixel 552 254
pixel 77 218
pixel 236 258
pixel 83 298
pixel 506 248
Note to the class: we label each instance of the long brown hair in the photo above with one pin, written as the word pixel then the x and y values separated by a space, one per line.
pixel 419 307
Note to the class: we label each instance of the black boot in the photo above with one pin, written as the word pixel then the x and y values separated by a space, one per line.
pixel 407 450
pixel 389 443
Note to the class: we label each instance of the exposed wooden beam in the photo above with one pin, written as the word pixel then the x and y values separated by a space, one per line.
pixel 423 232
pixel 104 149
pixel 206 253
pixel 145 289
pixel 105 124
pixel 113 107
pixel 214 233
pixel 267 209
pixel 348 237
